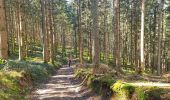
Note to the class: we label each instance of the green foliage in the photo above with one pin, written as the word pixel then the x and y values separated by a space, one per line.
pixel 148 93
pixel 153 93
pixel 86 57
pixel 10 74
pixel 37 71
pixel 9 86
pixel 119 85
pixel 61 59
pixel 107 79
pixel 2 63
pixel 101 85
pixel 140 93
pixel 58 64
pixel 83 72
pixel 123 90
pixel 107 85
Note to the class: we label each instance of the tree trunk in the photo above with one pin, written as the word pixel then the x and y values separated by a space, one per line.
pixel 95 35
pixel 142 37
pixel 117 33
pixel 4 34
pixel 43 26
pixel 80 33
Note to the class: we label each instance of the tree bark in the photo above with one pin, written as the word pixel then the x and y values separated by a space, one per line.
pixel 142 37
pixel 95 35
pixel 3 31
pixel 117 34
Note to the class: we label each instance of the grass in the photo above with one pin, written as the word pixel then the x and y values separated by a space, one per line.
pixel 11 87
pixel 126 91
pixel 100 85
pixel 107 86
pixel 17 77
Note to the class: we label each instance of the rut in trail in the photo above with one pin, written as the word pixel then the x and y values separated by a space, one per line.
pixel 63 86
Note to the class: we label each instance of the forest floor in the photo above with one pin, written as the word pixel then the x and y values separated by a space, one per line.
pixel 63 86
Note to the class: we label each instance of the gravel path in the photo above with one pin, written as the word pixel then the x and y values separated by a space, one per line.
pixel 63 86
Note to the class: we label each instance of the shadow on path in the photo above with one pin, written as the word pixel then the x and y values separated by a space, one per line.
pixel 63 86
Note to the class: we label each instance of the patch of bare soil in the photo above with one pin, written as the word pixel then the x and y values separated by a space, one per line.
pixel 63 86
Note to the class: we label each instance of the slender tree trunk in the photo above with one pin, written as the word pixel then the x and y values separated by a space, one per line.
pixel 80 33
pixel 51 33
pixel 142 37
pixel 95 35
pixel 43 27
pixel 159 67
pixel 106 51
pixel 21 35
pixel 117 33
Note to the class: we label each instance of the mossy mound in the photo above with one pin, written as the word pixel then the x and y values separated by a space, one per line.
pixel 126 91
pixel 14 85
pixel 122 91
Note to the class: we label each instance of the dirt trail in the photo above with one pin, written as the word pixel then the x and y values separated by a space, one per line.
pixel 63 86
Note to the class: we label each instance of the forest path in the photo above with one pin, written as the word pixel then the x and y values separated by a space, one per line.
pixel 63 86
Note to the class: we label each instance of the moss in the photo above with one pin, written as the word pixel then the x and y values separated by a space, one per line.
pixel 140 93
pixel 148 93
pixel 123 90
pixel 154 93
pixel 101 85
pixel 107 86
pixel 10 87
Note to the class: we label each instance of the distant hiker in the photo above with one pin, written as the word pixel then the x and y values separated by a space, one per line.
pixel 69 61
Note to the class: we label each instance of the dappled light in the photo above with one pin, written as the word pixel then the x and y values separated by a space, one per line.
pixel 62 85
pixel 85 50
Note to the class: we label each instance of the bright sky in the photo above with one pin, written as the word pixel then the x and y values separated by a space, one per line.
pixel 69 0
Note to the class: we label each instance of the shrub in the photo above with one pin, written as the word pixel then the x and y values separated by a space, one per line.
pixel 123 90
pixel 83 72
pixel 140 93
pixel 101 85
pixel 153 93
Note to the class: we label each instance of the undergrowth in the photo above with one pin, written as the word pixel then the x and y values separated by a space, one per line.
pixel 107 86
pixel 11 87
pixel 18 77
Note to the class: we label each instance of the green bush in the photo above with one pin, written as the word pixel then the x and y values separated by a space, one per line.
pixel 83 72
pixel 140 93
pixel 2 63
pixel 101 85
pixel 123 90
pixel 153 93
